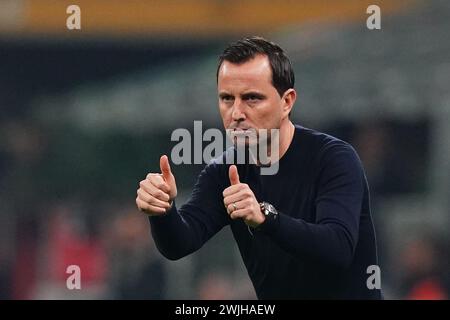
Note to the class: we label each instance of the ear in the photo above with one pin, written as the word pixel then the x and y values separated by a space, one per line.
pixel 288 101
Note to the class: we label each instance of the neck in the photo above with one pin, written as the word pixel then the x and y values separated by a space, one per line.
pixel 286 134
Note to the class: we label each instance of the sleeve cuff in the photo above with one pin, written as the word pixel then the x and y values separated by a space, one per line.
pixel 270 225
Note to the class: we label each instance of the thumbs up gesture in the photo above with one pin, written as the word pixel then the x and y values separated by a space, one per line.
pixel 240 201
pixel 157 191
pixel 168 176
pixel 234 175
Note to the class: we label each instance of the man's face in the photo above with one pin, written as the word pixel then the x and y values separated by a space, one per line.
pixel 247 98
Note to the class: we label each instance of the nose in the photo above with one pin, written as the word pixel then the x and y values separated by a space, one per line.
pixel 238 113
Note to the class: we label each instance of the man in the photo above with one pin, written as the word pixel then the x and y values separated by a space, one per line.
pixel 304 232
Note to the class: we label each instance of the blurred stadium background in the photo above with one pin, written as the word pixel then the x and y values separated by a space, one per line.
pixel 85 114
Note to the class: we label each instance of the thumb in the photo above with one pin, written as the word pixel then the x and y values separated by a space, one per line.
pixel 234 176
pixel 165 167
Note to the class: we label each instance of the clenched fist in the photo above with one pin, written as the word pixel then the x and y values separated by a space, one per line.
pixel 240 201
pixel 157 191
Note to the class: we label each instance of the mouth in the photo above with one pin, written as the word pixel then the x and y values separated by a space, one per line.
pixel 243 131
pixel 239 130
pixel 243 135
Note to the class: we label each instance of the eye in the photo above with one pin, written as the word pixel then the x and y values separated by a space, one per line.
pixel 227 98
pixel 253 98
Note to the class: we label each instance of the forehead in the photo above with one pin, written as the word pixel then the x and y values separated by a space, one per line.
pixel 255 72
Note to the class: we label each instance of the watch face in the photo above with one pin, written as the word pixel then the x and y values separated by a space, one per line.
pixel 268 209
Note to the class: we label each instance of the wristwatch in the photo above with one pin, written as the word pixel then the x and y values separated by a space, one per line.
pixel 271 215
pixel 271 218
pixel 268 210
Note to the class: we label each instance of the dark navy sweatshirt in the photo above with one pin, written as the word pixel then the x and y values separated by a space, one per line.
pixel 323 241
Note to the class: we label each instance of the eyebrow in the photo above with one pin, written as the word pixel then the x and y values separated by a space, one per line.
pixel 253 93
pixel 224 94
pixel 244 95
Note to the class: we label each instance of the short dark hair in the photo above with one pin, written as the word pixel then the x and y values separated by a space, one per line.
pixel 246 49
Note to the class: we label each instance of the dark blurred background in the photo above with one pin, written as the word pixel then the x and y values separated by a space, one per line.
pixel 85 115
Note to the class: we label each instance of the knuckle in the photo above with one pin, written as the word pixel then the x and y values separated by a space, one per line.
pixel 165 186
pixel 142 195
pixel 160 194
